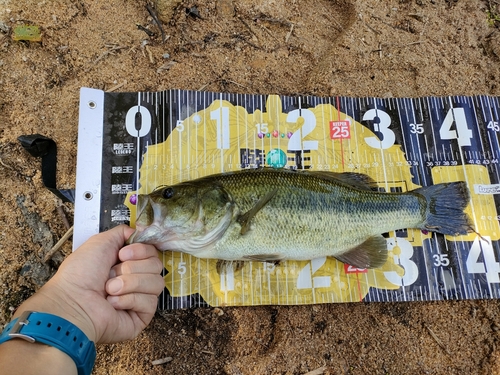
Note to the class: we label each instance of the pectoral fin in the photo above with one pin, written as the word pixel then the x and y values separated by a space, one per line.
pixel 245 219
pixel 370 254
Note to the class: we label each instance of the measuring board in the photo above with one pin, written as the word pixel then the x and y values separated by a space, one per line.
pixel 131 143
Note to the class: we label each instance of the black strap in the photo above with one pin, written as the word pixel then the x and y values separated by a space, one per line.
pixel 39 146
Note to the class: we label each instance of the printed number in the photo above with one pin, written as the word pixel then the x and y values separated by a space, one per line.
pixel 489 265
pixel 262 128
pixel 305 280
pixel 493 125
pixel 221 115
pixel 463 133
pixel 388 136
pixel 350 269
pixel 181 268
pixel 441 260
pixel 179 126
pixel 417 128
pixel 295 143
pixel 269 267
pixel 141 129
pixel 404 260
pixel 227 279
pixel 340 130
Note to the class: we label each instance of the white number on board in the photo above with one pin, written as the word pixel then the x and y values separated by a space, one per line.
pixel 488 265
pixel 306 280
pixel 463 133
pixel 388 137
pixel 145 125
pixel 404 260
pixel 295 143
pixel 221 116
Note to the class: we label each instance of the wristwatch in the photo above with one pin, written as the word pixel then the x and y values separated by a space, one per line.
pixel 54 331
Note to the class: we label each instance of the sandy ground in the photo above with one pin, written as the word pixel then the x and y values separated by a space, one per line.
pixel 339 47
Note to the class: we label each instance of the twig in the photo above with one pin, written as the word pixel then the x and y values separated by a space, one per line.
pixel 289 34
pixel 5 165
pixel 116 87
pixel 152 12
pixel 58 245
pixel 207 352
pixel 372 29
pixel 150 54
pixel 248 27
pixel 235 83
pixel 64 218
pixel 147 31
pixel 112 49
pixel 439 342
pixel 274 20
pixel 204 86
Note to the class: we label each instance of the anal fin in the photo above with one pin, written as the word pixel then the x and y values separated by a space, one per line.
pixel 370 254
pixel 270 258
pixel 224 265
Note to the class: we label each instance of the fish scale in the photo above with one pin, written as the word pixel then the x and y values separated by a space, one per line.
pixel 402 143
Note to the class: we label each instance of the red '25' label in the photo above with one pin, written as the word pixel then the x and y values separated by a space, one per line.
pixel 350 269
pixel 340 130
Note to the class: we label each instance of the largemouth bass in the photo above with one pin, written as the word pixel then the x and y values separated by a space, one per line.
pixel 276 214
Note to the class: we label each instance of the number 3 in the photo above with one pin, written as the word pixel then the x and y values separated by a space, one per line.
pixel 403 259
pixel 388 137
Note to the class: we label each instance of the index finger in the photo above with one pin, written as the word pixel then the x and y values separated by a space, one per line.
pixel 137 251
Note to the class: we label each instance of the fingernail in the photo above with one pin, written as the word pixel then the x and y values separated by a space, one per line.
pixel 114 286
pixel 113 299
pixel 126 254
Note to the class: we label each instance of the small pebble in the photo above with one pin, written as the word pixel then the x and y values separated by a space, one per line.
pixel 218 311
pixel 161 361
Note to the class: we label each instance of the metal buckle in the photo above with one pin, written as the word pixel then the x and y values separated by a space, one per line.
pixel 22 321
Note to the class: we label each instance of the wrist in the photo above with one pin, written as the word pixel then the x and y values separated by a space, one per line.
pixel 49 300
pixel 38 328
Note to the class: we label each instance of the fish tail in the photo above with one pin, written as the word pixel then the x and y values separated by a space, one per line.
pixel 446 203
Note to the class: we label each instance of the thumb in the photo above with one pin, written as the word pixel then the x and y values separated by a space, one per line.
pixel 102 249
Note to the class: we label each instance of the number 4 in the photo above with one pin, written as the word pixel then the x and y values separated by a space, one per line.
pixel 489 266
pixel 457 116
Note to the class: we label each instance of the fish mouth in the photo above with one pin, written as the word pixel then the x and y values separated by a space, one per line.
pixel 162 239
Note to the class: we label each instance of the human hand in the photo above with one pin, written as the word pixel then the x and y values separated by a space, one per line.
pixel 109 291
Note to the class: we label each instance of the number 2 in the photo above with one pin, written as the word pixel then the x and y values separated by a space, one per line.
pixel 295 143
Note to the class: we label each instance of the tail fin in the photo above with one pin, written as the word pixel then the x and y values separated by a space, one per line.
pixel 445 208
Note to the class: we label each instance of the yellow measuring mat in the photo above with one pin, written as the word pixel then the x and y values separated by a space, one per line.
pixel 146 140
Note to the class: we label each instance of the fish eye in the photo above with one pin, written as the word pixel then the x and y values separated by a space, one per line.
pixel 168 193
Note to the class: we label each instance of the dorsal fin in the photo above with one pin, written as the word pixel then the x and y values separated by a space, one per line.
pixel 357 180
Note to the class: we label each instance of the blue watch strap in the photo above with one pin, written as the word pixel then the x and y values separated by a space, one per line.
pixel 54 331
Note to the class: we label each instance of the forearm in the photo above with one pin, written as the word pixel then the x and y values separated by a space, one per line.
pixel 21 357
